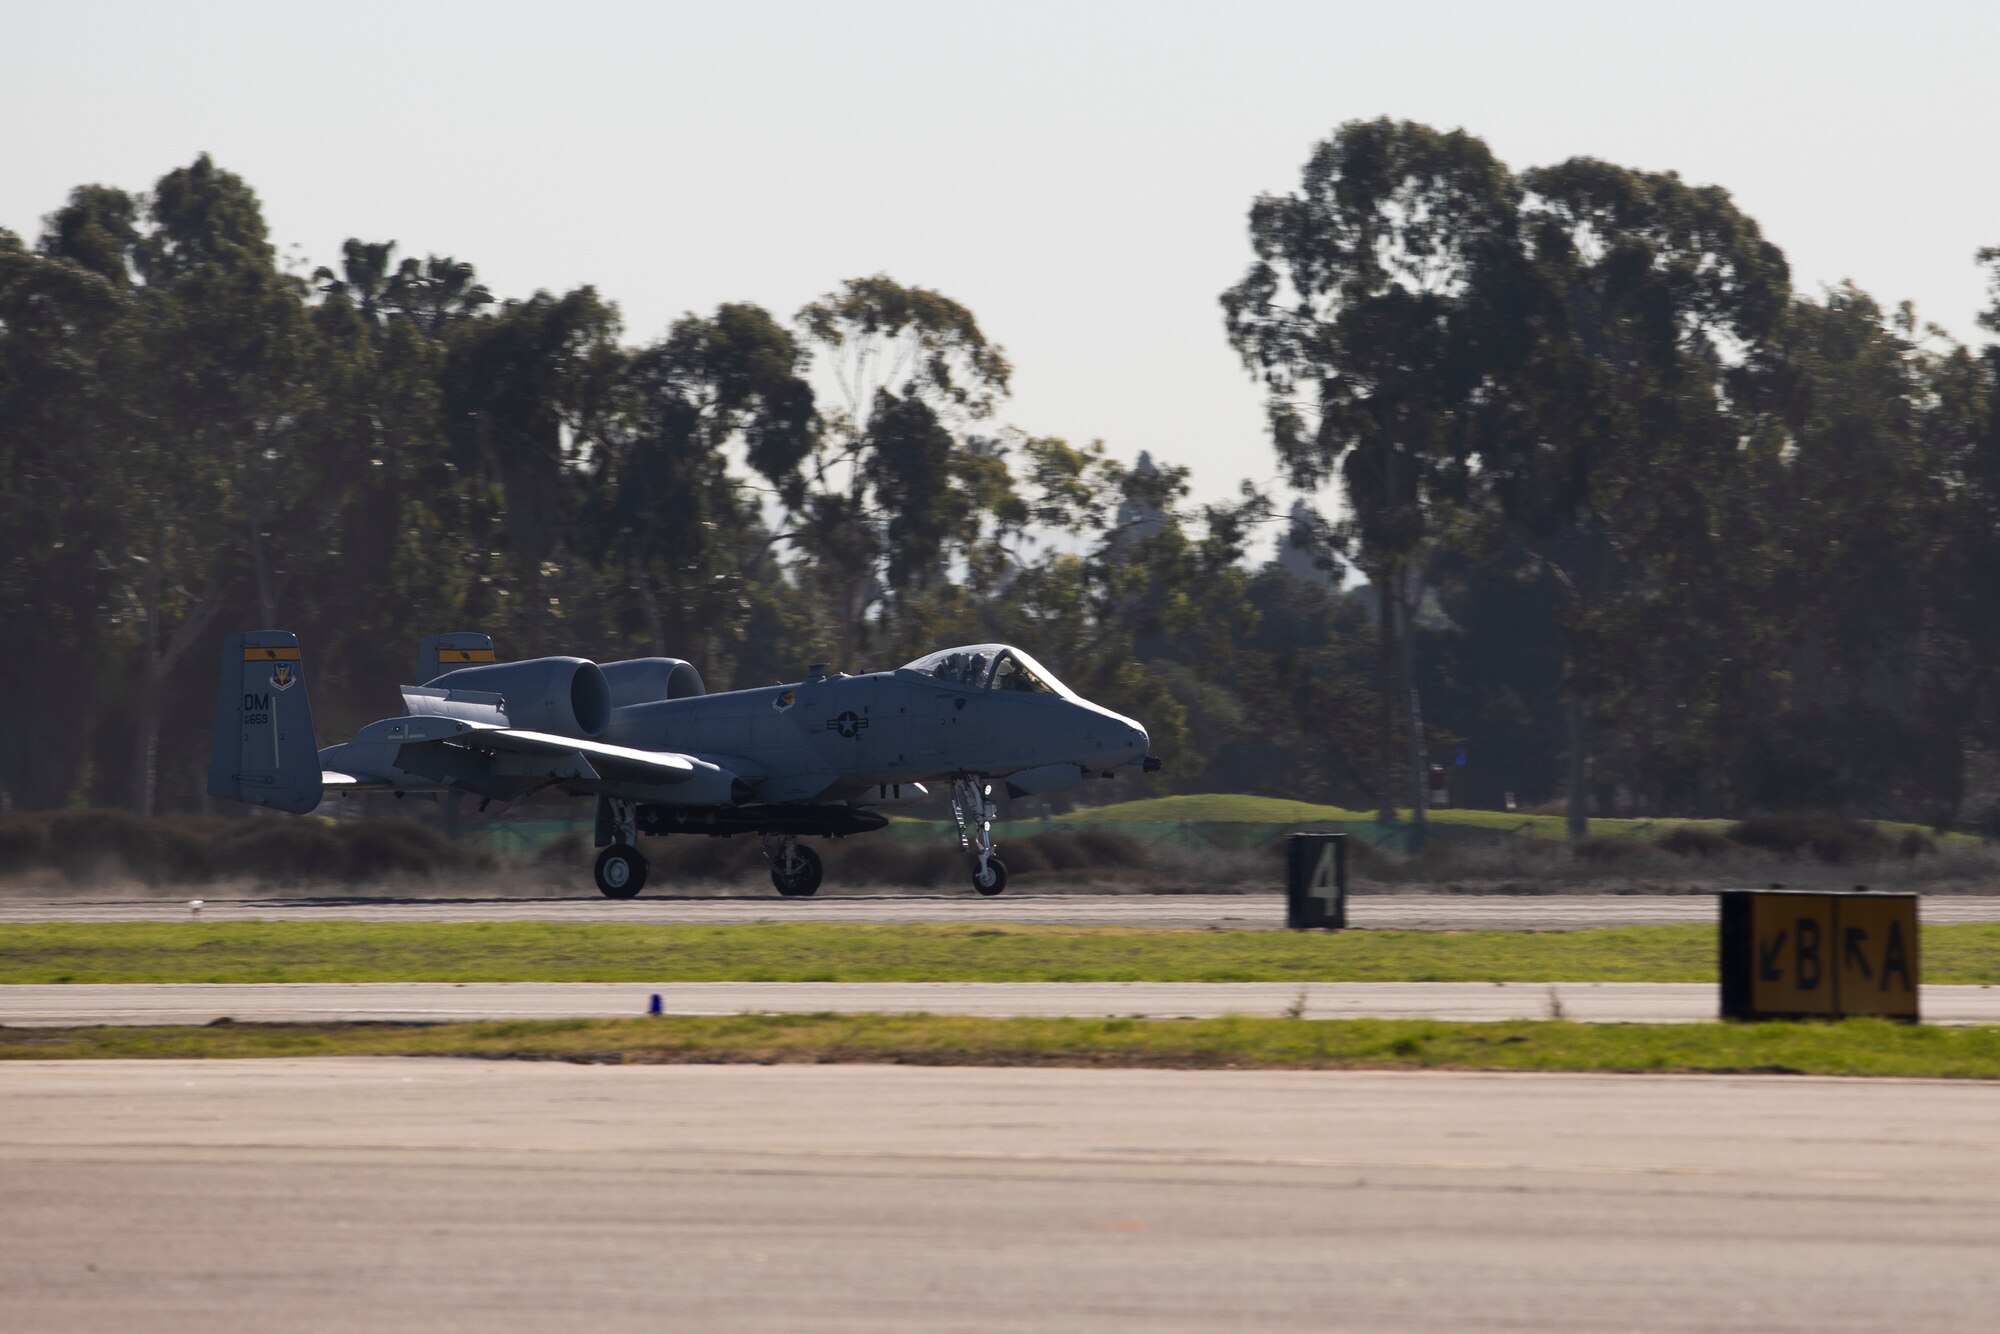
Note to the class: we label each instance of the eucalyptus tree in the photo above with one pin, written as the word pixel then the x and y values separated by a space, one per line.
pixel 1364 316
pixel 896 488
pixel 1969 391
pixel 229 355
pixel 524 393
pixel 1614 440
pixel 64 362
pixel 1135 598
pixel 215 484
pixel 670 518
pixel 1861 445
pixel 397 520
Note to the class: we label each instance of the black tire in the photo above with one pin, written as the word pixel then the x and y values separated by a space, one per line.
pixel 802 883
pixel 996 877
pixel 621 872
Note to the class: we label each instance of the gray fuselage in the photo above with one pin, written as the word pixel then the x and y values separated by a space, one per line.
pixel 831 737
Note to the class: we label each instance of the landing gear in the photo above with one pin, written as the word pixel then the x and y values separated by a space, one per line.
pixel 621 871
pixel 795 870
pixel 990 879
pixel 989 875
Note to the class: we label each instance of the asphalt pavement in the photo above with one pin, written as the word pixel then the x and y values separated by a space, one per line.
pixel 440 1002
pixel 503 1196
pixel 1413 912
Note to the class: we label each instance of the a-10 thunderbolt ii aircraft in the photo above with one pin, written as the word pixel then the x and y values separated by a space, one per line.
pixel 662 756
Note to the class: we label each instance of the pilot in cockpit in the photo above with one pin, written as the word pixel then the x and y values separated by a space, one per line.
pixel 1010 673
pixel 991 667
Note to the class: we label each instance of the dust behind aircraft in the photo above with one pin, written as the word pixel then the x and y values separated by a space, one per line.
pixel 818 757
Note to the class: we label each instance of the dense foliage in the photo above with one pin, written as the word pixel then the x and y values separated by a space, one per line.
pixel 1634 520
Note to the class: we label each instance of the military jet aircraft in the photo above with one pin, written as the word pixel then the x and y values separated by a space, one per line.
pixel 662 756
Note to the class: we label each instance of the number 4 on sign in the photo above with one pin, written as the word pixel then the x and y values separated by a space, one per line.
pixel 1325 885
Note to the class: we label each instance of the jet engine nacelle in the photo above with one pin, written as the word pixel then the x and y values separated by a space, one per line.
pixel 566 696
pixel 646 680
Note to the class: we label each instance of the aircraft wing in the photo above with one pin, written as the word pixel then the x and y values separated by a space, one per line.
pixel 657 766
pixel 520 753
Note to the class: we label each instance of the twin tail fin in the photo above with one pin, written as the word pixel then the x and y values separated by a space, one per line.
pixel 264 751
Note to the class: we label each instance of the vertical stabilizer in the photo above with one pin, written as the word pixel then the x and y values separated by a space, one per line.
pixel 439 654
pixel 264 750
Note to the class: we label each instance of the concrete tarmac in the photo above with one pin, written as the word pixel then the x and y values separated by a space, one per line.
pixel 439 1002
pixel 500 1196
pixel 1242 912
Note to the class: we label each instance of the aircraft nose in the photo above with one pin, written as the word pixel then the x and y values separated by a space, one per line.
pixel 1111 739
pixel 1128 740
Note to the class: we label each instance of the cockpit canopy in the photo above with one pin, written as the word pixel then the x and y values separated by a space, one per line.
pixel 989 667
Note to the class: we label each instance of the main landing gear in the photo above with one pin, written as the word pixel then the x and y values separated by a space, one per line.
pixel 796 871
pixel 989 873
pixel 621 870
pixel 795 868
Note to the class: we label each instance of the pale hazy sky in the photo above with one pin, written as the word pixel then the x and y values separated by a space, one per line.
pixel 1077 174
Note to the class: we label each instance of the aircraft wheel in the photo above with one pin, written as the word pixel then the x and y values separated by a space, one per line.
pixel 994 880
pixel 798 875
pixel 621 871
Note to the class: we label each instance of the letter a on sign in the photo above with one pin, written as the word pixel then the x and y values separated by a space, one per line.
pixel 1878 963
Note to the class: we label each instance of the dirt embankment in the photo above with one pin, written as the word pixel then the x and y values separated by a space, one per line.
pixel 99 854
pixel 111 853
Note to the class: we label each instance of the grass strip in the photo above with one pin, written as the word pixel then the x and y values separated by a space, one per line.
pixel 99 952
pixel 1852 1047
pixel 1242 808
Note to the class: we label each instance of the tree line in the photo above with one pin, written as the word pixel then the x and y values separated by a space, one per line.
pixel 1629 518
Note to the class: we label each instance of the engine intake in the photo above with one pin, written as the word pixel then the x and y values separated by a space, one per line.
pixel 566 696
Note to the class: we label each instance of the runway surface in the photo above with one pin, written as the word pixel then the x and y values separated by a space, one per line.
pixel 1419 912
pixel 1593 1002
pixel 407 1194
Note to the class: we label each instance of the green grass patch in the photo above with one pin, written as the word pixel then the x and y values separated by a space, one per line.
pixel 1237 808
pixel 833 952
pixel 1853 1047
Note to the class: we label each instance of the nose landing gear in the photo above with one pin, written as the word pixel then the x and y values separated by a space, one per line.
pixel 989 873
